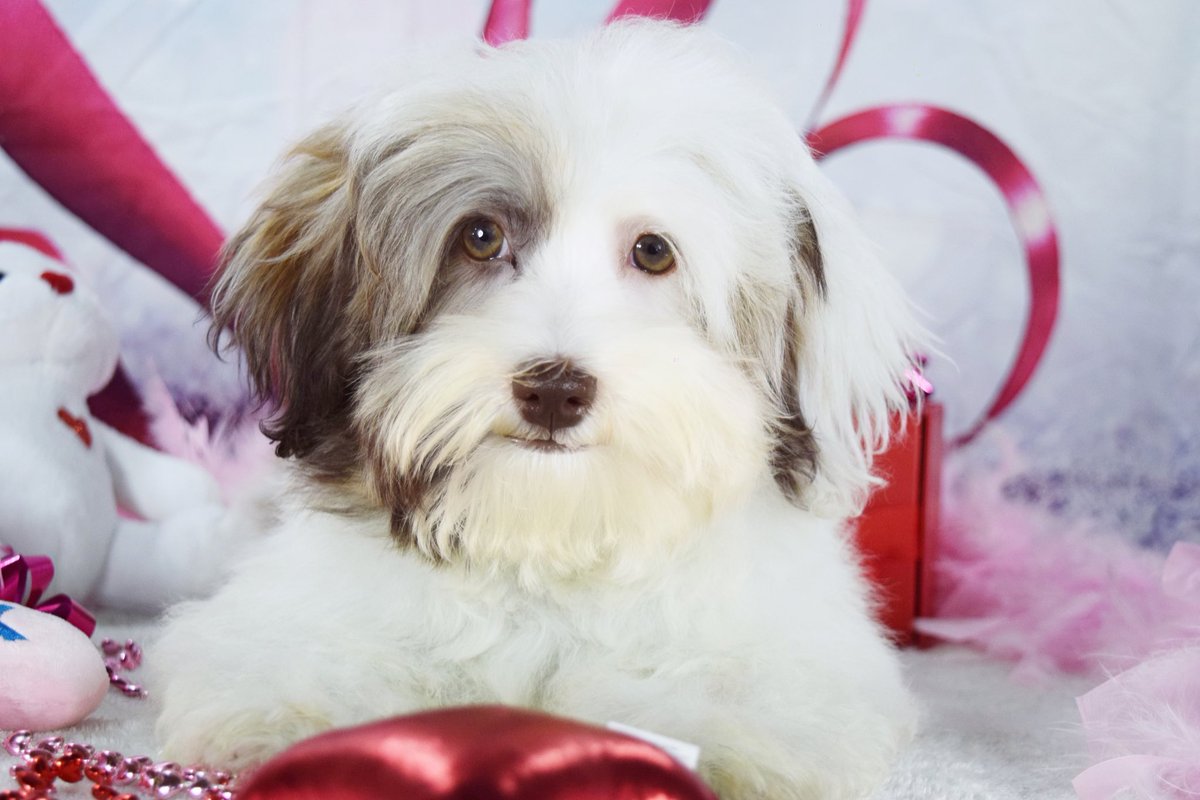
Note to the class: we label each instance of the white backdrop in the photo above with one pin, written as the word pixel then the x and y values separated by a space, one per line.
pixel 1101 101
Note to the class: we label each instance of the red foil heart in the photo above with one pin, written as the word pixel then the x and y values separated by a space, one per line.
pixel 474 753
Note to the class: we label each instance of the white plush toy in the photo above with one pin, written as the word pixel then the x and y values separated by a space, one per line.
pixel 63 473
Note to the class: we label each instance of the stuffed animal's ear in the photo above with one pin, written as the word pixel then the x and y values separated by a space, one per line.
pixel 853 337
pixel 288 280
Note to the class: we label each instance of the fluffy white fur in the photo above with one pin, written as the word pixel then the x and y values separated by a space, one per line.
pixel 675 566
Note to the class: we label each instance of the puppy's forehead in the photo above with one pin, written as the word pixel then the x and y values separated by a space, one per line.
pixel 628 95
pixel 637 127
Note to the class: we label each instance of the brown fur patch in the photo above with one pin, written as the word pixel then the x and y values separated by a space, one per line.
pixel 287 289
pixel 344 255
pixel 808 259
pixel 794 457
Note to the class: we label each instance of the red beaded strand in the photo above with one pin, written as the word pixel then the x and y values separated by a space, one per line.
pixel 113 776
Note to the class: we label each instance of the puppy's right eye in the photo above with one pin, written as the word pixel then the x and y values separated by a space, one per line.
pixel 652 254
pixel 483 240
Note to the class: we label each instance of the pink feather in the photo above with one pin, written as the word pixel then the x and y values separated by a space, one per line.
pixel 1063 597
pixel 1051 595
pixel 237 454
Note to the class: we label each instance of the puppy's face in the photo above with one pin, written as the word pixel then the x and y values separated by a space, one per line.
pixel 554 306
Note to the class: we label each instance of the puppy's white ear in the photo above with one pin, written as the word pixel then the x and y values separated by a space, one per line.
pixel 856 337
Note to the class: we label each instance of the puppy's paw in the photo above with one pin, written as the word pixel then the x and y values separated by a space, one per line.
pixel 749 764
pixel 234 738
pixel 736 775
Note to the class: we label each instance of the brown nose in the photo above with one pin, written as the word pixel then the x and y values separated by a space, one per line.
pixel 554 395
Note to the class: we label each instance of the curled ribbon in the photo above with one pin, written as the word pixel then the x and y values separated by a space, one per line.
pixel 854 14
pixel 1027 206
pixel 23 579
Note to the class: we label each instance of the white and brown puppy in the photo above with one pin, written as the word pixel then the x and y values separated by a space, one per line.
pixel 580 364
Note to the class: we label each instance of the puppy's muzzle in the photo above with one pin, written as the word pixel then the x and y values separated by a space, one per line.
pixel 553 394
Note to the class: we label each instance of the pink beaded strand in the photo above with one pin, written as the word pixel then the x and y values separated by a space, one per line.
pixel 113 776
pixel 120 658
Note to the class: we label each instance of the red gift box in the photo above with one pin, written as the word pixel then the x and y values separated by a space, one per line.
pixel 896 533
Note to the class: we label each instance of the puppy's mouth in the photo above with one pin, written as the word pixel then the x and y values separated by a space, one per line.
pixel 546 445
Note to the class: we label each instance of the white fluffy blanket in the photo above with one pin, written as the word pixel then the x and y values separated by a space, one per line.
pixel 983 735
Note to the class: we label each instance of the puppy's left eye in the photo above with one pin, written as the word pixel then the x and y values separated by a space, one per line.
pixel 651 253
pixel 483 240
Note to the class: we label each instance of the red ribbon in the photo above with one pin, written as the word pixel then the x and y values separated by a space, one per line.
pixel 1026 205
pixel 23 579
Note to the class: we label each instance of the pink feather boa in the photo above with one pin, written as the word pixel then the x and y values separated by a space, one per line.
pixel 1056 597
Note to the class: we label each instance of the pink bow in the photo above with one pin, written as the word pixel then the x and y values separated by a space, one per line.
pixel 23 579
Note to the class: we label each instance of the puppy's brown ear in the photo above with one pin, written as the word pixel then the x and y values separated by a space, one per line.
pixel 853 340
pixel 287 290
pixel 794 458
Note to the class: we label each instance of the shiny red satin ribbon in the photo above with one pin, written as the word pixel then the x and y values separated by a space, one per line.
pixel 23 579
pixel 1026 205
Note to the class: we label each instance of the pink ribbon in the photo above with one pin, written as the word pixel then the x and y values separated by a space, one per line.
pixel 685 11
pixel 508 20
pixel 23 579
